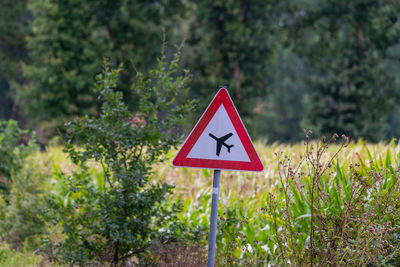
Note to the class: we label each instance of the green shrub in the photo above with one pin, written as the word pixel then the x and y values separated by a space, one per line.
pixel 12 153
pixel 116 215
pixel 10 257
pixel 21 203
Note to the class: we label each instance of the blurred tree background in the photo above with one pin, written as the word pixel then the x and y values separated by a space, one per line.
pixel 14 28
pixel 328 66
pixel 346 44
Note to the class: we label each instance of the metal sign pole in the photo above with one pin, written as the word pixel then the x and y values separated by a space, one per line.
pixel 213 220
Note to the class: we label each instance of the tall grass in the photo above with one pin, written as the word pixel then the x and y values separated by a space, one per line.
pixel 24 258
pixel 338 206
pixel 315 204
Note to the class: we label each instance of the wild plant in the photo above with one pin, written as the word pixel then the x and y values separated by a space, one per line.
pixel 114 217
pixel 325 213
pixel 21 187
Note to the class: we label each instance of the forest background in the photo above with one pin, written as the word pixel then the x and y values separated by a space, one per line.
pixel 328 66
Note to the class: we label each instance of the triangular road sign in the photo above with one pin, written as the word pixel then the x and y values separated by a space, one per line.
pixel 219 140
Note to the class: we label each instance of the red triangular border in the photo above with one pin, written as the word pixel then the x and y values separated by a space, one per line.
pixel 221 98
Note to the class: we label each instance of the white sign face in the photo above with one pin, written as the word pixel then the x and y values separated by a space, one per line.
pixel 219 141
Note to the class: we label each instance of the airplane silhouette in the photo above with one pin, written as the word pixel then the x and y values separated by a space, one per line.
pixel 221 142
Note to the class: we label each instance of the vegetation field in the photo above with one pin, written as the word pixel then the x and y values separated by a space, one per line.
pixel 265 218
pixel 97 96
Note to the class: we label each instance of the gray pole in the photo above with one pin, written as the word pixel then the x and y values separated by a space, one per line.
pixel 213 220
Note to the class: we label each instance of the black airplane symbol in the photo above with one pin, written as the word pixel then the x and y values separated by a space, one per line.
pixel 221 141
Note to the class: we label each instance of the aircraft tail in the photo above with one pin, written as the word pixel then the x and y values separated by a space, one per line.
pixel 229 148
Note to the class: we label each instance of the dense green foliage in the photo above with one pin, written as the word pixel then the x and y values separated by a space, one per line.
pixel 9 257
pixel 279 115
pixel 346 45
pixel 21 200
pixel 22 223
pixel 12 153
pixel 14 26
pixel 70 39
pixel 232 43
pixel 118 214
pixel 328 66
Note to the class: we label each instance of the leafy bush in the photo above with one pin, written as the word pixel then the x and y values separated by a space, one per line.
pixel 10 257
pixel 22 185
pixel 12 153
pixel 116 215
pixel 230 231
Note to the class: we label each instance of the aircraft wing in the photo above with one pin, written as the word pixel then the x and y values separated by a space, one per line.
pixel 226 137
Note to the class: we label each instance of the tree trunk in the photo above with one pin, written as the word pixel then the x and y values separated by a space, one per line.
pixel 116 258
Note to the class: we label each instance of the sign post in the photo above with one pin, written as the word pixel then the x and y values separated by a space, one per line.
pixel 213 220
pixel 219 141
